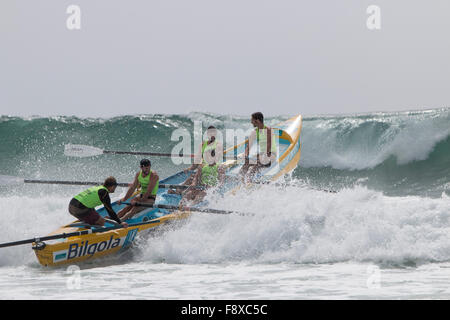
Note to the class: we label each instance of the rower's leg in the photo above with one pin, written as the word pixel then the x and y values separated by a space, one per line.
pixel 122 212
pixel 199 196
pixel 135 209
pixel 255 169
pixel 100 222
pixel 187 182
pixel 189 195
pixel 244 169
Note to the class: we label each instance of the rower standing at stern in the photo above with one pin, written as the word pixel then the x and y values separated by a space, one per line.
pixel 266 148
pixel 82 206
pixel 149 182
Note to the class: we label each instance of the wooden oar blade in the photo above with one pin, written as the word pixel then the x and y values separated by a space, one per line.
pixel 81 151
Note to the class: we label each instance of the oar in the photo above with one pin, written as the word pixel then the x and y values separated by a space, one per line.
pixel 172 207
pixel 11 180
pixel 71 234
pixel 79 150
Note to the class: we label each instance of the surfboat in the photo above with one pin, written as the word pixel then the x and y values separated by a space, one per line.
pixel 85 242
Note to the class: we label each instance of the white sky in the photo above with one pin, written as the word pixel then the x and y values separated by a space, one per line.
pixel 281 57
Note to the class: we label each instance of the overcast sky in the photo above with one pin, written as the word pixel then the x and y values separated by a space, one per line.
pixel 281 57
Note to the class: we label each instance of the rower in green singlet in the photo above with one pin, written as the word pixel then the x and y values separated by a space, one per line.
pixel 202 157
pixel 148 180
pixel 211 175
pixel 82 206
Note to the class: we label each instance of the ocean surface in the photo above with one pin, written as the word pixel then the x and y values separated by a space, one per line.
pixel 383 233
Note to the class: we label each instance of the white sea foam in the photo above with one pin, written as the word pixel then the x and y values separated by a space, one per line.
pixel 297 241
pixel 25 217
pixel 309 226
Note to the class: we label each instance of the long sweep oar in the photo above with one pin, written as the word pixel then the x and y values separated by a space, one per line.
pixel 11 180
pixel 79 150
pixel 172 207
pixel 71 234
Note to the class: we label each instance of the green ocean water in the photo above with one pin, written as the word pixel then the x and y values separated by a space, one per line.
pixel 406 153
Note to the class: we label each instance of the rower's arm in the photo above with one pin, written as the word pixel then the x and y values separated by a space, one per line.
pixel 197 161
pixel 251 138
pixel 106 200
pixel 221 170
pixel 196 179
pixel 132 188
pixel 269 141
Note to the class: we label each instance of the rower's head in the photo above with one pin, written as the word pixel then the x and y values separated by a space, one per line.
pixel 258 120
pixel 145 165
pixel 110 184
pixel 211 132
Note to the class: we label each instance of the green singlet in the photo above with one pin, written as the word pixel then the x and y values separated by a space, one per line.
pixel 208 148
pixel 144 182
pixel 89 197
pixel 261 138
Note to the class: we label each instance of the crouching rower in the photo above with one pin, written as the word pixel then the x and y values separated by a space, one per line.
pixel 149 182
pixel 209 176
pixel 82 206
pixel 202 157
